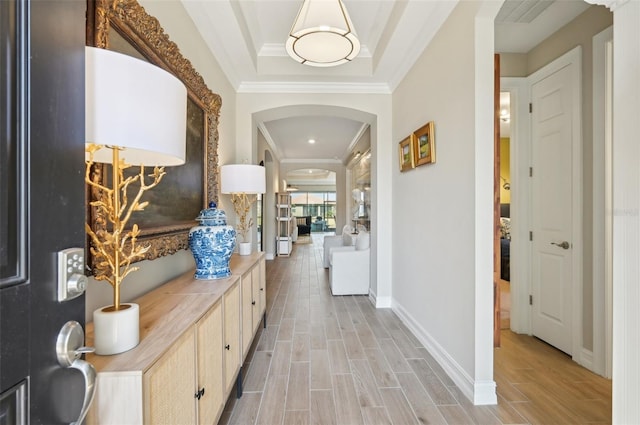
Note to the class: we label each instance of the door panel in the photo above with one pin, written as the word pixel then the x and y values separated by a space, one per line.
pixel 551 302
pixel 232 343
pixel 209 353
pixel 14 291
pixel 552 196
pixel 48 111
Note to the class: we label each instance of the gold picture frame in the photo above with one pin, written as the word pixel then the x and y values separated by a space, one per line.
pixel 125 26
pixel 405 154
pixel 424 144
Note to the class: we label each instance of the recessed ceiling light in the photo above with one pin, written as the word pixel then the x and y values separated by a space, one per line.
pixel 312 141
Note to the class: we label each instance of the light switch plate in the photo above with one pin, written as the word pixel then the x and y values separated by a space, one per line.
pixel 71 279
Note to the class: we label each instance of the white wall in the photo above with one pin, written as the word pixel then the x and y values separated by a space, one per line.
pixel 178 25
pixel 626 207
pixel 442 213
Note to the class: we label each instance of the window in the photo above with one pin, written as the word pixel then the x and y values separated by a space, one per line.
pixel 320 206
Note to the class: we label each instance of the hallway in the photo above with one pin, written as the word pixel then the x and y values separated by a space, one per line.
pixel 338 360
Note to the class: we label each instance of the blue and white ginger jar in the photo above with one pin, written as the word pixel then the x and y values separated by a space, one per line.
pixel 212 242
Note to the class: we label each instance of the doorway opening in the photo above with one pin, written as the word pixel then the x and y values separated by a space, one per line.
pixel 505 209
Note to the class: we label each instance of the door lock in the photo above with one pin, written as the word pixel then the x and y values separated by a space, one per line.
pixel 71 279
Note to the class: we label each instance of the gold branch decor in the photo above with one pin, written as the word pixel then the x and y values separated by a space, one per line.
pixel 115 250
pixel 242 205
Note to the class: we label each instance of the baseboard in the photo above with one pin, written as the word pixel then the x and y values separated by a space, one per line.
pixel 379 302
pixel 383 302
pixel 586 359
pixel 478 392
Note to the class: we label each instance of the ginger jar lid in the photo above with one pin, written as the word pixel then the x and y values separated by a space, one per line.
pixel 212 216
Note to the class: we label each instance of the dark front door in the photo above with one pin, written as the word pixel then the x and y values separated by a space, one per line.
pixel 41 203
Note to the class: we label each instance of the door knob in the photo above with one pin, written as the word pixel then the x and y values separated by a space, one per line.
pixel 69 348
pixel 563 244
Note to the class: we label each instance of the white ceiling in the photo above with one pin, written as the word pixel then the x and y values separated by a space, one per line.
pixel 517 31
pixel 333 136
pixel 247 38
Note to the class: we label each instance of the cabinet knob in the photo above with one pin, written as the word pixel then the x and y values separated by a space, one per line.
pixel 227 347
pixel 253 303
pixel 262 289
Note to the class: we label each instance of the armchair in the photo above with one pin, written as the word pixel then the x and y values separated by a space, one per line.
pixel 304 225
pixel 349 267
pixel 344 239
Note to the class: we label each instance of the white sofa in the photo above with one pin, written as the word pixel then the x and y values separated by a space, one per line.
pixel 349 267
pixel 343 239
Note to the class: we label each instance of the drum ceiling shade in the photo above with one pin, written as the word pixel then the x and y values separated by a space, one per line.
pixel 242 178
pixel 322 34
pixel 136 106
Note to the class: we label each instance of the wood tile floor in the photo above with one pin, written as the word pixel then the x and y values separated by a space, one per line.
pixel 338 360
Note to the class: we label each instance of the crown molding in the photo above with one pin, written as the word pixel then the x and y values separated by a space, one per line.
pixel 354 142
pixel 272 145
pixel 611 4
pixel 310 161
pixel 314 87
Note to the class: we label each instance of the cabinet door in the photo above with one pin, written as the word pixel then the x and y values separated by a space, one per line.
pixel 247 312
pixel 169 385
pixel 263 287
pixel 232 346
pixel 255 302
pixel 209 354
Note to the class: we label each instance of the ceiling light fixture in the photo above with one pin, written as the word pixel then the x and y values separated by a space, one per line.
pixel 311 141
pixel 322 34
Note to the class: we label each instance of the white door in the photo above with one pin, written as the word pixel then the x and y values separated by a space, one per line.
pixel 553 120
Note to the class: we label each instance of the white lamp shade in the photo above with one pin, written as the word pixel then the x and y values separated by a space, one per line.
pixel 136 106
pixel 322 34
pixel 242 178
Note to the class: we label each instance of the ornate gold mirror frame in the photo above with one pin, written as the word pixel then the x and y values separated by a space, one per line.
pixel 124 26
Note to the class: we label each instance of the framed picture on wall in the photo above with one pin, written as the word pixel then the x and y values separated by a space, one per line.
pixel 405 154
pixel 424 144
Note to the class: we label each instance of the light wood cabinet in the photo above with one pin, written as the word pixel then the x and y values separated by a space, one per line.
pixel 263 289
pixel 256 305
pixel 253 303
pixel 169 385
pixel 189 355
pixel 209 379
pixel 232 348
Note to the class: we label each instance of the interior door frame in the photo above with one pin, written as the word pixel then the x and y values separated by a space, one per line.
pixel 520 248
pixel 603 202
